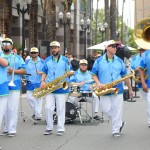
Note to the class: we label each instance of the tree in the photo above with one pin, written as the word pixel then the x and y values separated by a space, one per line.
pixel 113 20
pixel 6 17
pixel 51 20
pixel 100 20
pixel 33 24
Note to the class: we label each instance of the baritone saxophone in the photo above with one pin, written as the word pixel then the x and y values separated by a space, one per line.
pixel 108 88
pixel 52 86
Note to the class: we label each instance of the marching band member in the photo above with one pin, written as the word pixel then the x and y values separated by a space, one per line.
pixel 16 67
pixel 55 66
pixel 145 63
pixel 34 67
pixel 82 78
pixel 107 69
pixel 4 91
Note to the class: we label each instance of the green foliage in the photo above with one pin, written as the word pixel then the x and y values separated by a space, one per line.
pixel 18 47
pixel 99 21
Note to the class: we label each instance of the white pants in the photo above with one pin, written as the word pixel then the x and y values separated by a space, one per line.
pixel 94 100
pixel 3 106
pixel 146 96
pixel 60 101
pixel 11 115
pixel 112 106
pixel 36 104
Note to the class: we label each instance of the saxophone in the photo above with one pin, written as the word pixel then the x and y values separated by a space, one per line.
pixel 136 77
pixel 52 86
pixel 108 88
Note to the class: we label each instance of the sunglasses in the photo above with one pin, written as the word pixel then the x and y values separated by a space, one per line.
pixel 8 44
pixel 33 52
pixel 113 46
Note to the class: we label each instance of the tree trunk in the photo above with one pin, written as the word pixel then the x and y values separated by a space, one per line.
pixel 33 24
pixel 44 20
pixel 113 20
pixel 51 21
pixel 107 18
pixel 6 17
pixel 74 51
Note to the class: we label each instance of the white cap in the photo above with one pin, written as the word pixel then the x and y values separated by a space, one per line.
pixel 83 61
pixel 34 49
pixel 55 43
pixel 7 40
pixel 110 42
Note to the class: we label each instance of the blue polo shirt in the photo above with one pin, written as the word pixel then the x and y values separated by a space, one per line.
pixel 145 63
pixel 34 80
pixel 109 71
pixel 54 69
pixel 4 90
pixel 82 76
pixel 19 64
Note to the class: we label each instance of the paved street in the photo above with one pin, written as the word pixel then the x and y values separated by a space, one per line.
pixel 89 136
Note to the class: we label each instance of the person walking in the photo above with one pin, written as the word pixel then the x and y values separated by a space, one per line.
pixel 15 69
pixel 34 67
pixel 55 66
pixel 107 69
pixel 4 90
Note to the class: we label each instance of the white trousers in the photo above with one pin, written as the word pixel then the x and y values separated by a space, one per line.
pixel 11 115
pixel 60 101
pixel 94 100
pixel 3 106
pixel 146 96
pixel 36 104
pixel 112 106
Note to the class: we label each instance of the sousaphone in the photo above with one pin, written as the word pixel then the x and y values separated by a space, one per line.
pixel 142 33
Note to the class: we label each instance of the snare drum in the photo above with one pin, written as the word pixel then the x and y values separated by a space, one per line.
pixel 86 94
pixel 75 91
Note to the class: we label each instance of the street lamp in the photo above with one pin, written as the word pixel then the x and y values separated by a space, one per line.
pixel 23 9
pixel 85 25
pixel 64 23
pixel 103 28
pixel 118 34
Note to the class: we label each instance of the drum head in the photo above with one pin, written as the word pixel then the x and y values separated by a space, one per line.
pixel 71 111
pixel 75 94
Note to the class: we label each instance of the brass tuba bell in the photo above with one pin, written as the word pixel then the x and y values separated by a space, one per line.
pixel 142 33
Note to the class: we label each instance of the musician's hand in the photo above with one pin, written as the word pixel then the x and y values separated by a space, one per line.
pixel 81 83
pixel 43 85
pixel 145 88
pixel 9 70
pixel 131 93
pixel 39 72
pixel 101 86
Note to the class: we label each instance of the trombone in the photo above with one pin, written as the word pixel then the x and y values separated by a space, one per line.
pixel 11 83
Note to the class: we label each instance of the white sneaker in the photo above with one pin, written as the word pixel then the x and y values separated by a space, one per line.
pixel 0 148
pixel 116 134
pixel 47 132
pixel 60 133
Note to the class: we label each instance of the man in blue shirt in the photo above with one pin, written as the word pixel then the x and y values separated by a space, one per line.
pixel 107 69
pixel 15 69
pixel 83 79
pixel 4 90
pixel 55 66
pixel 34 66
pixel 145 63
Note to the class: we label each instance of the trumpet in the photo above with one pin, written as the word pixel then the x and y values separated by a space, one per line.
pixel 11 83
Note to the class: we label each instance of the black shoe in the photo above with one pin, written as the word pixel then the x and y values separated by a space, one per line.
pixel 33 116
pixel 123 123
pixel 96 117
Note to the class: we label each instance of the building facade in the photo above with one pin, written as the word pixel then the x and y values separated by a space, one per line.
pixel 80 34
pixel 142 10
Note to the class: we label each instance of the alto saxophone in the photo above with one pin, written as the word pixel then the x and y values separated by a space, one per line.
pixel 52 86
pixel 108 88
